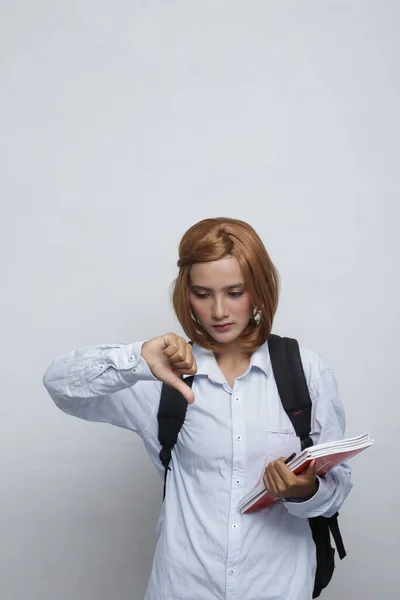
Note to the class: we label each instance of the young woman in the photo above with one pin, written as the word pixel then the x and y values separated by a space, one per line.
pixel 225 297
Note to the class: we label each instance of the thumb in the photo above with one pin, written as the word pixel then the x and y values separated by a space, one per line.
pixel 180 385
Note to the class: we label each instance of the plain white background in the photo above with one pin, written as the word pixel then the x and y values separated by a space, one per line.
pixel 123 123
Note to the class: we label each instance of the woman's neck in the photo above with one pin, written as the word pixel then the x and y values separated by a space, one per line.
pixel 231 358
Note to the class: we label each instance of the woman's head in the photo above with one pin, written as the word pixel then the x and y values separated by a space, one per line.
pixel 225 277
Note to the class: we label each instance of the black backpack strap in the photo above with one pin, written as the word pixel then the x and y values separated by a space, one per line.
pixel 292 385
pixel 321 529
pixel 295 397
pixel 302 415
pixel 171 415
pixel 337 536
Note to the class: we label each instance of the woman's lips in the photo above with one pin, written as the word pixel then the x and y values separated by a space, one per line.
pixel 224 327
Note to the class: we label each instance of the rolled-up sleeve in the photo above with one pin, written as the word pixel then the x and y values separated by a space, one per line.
pixel 328 424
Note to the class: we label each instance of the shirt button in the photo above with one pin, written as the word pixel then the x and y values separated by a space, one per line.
pixel 239 439
pixel 237 482
pixel 231 571
pixel 237 399
pixel 234 526
pixel 134 370
pixel 130 358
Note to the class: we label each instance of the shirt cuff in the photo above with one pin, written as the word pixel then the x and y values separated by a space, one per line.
pixel 131 364
pixel 306 508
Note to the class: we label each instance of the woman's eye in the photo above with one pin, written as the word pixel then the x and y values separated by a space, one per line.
pixel 204 295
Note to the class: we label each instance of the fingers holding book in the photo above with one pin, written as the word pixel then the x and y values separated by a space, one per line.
pixel 281 482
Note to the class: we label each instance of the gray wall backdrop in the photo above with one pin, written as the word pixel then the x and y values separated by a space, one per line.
pixel 122 123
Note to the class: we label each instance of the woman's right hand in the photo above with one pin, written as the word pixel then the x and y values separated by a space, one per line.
pixel 168 357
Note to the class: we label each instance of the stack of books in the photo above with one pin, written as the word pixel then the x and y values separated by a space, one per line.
pixel 326 457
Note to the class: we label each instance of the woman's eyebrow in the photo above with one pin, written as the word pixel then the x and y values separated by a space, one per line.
pixel 227 287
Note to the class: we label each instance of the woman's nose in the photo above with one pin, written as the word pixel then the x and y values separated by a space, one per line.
pixel 219 309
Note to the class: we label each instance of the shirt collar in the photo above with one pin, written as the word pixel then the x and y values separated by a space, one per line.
pixel 207 364
pixel 261 359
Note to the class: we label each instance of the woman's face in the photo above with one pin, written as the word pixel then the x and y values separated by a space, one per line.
pixel 219 299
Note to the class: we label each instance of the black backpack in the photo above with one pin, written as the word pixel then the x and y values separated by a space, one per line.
pixel 296 401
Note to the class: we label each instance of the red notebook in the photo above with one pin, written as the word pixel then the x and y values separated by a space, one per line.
pixel 326 456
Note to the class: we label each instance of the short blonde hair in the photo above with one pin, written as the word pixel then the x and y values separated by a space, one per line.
pixel 213 239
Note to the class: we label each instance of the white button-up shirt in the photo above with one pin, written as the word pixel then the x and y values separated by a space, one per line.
pixel 206 549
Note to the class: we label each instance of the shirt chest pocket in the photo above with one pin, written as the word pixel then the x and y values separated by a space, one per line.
pixel 281 442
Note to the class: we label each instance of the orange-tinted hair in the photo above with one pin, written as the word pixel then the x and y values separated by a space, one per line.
pixel 213 239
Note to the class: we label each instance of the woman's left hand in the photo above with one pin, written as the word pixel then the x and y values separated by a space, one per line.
pixel 281 482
